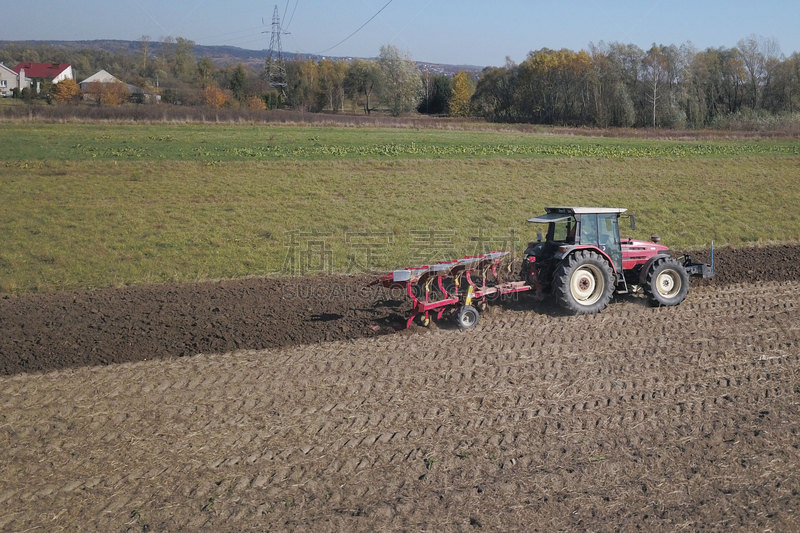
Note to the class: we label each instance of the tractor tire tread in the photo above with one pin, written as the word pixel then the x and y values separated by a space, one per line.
pixel 562 279
pixel 655 298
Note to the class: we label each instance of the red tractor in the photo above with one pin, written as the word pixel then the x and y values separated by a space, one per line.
pixel 582 261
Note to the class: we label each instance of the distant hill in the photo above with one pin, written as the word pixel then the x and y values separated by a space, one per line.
pixel 220 55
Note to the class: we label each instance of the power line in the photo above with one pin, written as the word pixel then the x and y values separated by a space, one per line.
pixel 358 30
pixel 286 9
pixel 292 17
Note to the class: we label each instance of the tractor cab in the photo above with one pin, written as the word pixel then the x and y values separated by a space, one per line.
pixel 570 228
pixel 583 243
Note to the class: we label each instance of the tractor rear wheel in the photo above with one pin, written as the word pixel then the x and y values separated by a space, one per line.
pixel 583 283
pixel 667 283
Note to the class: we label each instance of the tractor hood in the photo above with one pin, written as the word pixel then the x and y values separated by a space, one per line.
pixel 644 246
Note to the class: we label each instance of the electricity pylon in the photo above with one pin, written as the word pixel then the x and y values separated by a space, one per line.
pixel 275 67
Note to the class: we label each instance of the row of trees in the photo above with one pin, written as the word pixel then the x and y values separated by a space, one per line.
pixel 169 68
pixel 608 85
pixel 623 85
pixel 392 82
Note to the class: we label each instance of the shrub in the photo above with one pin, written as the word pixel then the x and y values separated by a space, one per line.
pixel 66 91
pixel 114 94
pixel 215 97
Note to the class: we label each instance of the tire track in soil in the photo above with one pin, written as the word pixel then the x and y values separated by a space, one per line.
pixel 638 417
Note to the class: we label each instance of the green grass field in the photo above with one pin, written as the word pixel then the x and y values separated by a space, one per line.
pixel 87 206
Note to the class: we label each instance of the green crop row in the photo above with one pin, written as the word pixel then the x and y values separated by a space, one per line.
pixel 437 151
pixel 210 144
pixel 590 150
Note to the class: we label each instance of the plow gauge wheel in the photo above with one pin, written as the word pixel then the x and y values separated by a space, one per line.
pixel 467 317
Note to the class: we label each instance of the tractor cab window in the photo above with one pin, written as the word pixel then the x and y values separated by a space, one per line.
pixel 589 229
pixel 608 238
pixel 562 230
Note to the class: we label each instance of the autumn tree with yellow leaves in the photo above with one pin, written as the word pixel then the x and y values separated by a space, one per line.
pixel 66 91
pixel 463 89
pixel 215 97
pixel 109 94
pixel 114 94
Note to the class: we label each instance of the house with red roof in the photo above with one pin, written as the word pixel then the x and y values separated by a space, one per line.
pixel 41 72
pixel 10 80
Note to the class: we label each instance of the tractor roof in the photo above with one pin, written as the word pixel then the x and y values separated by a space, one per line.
pixel 554 214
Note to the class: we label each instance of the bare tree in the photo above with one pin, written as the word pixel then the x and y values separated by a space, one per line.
pixel 145 42
pixel 656 74
pixel 759 56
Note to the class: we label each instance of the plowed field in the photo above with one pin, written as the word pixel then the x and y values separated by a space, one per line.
pixel 681 418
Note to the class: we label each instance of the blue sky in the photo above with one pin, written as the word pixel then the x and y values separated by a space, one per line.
pixel 445 31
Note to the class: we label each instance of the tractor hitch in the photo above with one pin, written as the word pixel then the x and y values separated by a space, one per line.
pixel 699 269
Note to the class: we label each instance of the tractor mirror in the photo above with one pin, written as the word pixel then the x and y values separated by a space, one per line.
pixel 539 236
pixel 633 222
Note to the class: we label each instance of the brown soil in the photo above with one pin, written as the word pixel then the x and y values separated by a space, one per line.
pixel 670 419
pixel 43 332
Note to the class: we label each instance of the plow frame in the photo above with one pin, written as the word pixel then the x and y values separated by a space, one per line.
pixel 430 294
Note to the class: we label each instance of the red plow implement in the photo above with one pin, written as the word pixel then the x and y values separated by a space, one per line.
pixel 456 288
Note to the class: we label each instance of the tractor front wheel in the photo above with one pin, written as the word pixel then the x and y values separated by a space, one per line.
pixel 583 283
pixel 667 283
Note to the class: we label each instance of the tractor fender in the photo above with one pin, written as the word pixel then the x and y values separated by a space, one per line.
pixel 647 266
pixel 570 249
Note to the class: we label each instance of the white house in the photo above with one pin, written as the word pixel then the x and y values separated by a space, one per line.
pixel 104 77
pixel 10 80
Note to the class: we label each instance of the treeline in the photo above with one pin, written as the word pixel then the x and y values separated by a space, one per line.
pixel 622 85
pixel 608 85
